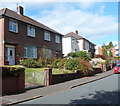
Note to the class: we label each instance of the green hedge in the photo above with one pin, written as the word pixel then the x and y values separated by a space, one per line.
pixel 11 70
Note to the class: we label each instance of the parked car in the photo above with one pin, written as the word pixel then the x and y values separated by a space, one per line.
pixel 117 68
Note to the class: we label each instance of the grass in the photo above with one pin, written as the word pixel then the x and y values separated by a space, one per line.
pixel 54 70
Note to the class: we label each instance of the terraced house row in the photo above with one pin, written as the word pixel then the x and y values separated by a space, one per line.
pixel 22 37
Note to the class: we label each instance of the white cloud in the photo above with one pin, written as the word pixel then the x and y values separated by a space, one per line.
pixel 86 5
pixel 90 25
pixel 66 18
pixel 102 9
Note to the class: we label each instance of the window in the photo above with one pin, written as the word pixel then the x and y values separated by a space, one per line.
pixel 47 35
pixel 30 31
pixel 57 39
pixel 30 52
pixel 13 26
pixel 86 45
pixel 47 53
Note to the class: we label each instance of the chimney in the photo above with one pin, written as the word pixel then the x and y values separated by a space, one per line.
pixel 20 10
pixel 76 31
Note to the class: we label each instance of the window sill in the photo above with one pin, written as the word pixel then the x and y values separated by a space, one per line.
pixel 31 36
pixel 13 31
pixel 47 40
pixel 31 57
pixel 57 43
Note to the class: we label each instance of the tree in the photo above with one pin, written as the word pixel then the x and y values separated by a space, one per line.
pixel 110 45
pixel 110 54
pixel 104 51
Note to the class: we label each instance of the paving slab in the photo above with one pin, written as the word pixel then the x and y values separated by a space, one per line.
pixel 44 91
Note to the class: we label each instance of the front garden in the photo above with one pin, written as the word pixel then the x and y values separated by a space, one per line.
pixel 74 65
pixel 79 62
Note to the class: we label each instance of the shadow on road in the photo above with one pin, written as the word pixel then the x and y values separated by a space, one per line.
pixel 99 97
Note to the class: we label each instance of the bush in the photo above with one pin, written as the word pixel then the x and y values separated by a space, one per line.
pixel 30 63
pixel 71 64
pixel 41 62
pixel 84 65
pixel 78 64
pixel 11 70
pixel 82 54
pixel 101 56
pixel 55 63
pixel 62 63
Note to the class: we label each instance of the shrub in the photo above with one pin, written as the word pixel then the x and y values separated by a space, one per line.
pixel 11 70
pixel 45 62
pixel 41 62
pixel 30 63
pixel 55 63
pixel 82 54
pixel 84 65
pixel 62 63
pixel 78 64
pixel 71 64
pixel 101 56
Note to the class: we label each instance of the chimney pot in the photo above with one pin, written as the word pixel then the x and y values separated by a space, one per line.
pixel 20 10
pixel 76 31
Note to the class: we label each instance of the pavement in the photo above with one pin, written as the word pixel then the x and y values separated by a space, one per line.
pixel 45 91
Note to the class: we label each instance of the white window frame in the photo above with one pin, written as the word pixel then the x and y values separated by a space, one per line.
pixel 28 51
pixel 57 39
pixel 47 36
pixel 30 31
pixel 12 24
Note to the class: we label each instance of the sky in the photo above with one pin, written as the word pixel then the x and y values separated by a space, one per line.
pixel 95 21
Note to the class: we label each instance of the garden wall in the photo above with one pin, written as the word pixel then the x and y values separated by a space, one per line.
pixel 12 84
pixel 58 78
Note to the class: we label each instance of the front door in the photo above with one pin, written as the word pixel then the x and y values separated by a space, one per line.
pixel 11 55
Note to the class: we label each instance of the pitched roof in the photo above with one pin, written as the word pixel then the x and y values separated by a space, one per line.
pixel 15 15
pixel 72 34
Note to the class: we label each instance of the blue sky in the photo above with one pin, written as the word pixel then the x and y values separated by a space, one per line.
pixel 96 21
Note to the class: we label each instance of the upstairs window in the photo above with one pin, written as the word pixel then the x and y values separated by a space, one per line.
pixel 46 35
pixel 13 26
pixel 30 31
pixel 57 39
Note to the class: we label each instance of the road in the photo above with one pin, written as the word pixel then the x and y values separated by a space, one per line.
pixel 104 91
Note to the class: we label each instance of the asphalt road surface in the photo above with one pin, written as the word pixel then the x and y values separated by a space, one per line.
pixel 104 91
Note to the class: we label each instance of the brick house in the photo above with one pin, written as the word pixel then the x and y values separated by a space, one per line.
pixel 114 50
pixel 72 42
pixel 22 37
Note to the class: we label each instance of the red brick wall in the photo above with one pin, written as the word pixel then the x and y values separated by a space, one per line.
pixel 22 38
pixel 12 85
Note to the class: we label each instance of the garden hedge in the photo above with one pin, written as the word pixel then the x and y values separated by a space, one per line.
pixel 11 70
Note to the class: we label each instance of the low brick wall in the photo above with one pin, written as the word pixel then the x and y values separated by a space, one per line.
pixel 97 70
pixel 11 85
pixel 58 78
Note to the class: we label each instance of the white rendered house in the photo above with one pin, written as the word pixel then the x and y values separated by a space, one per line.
pixel 72 42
